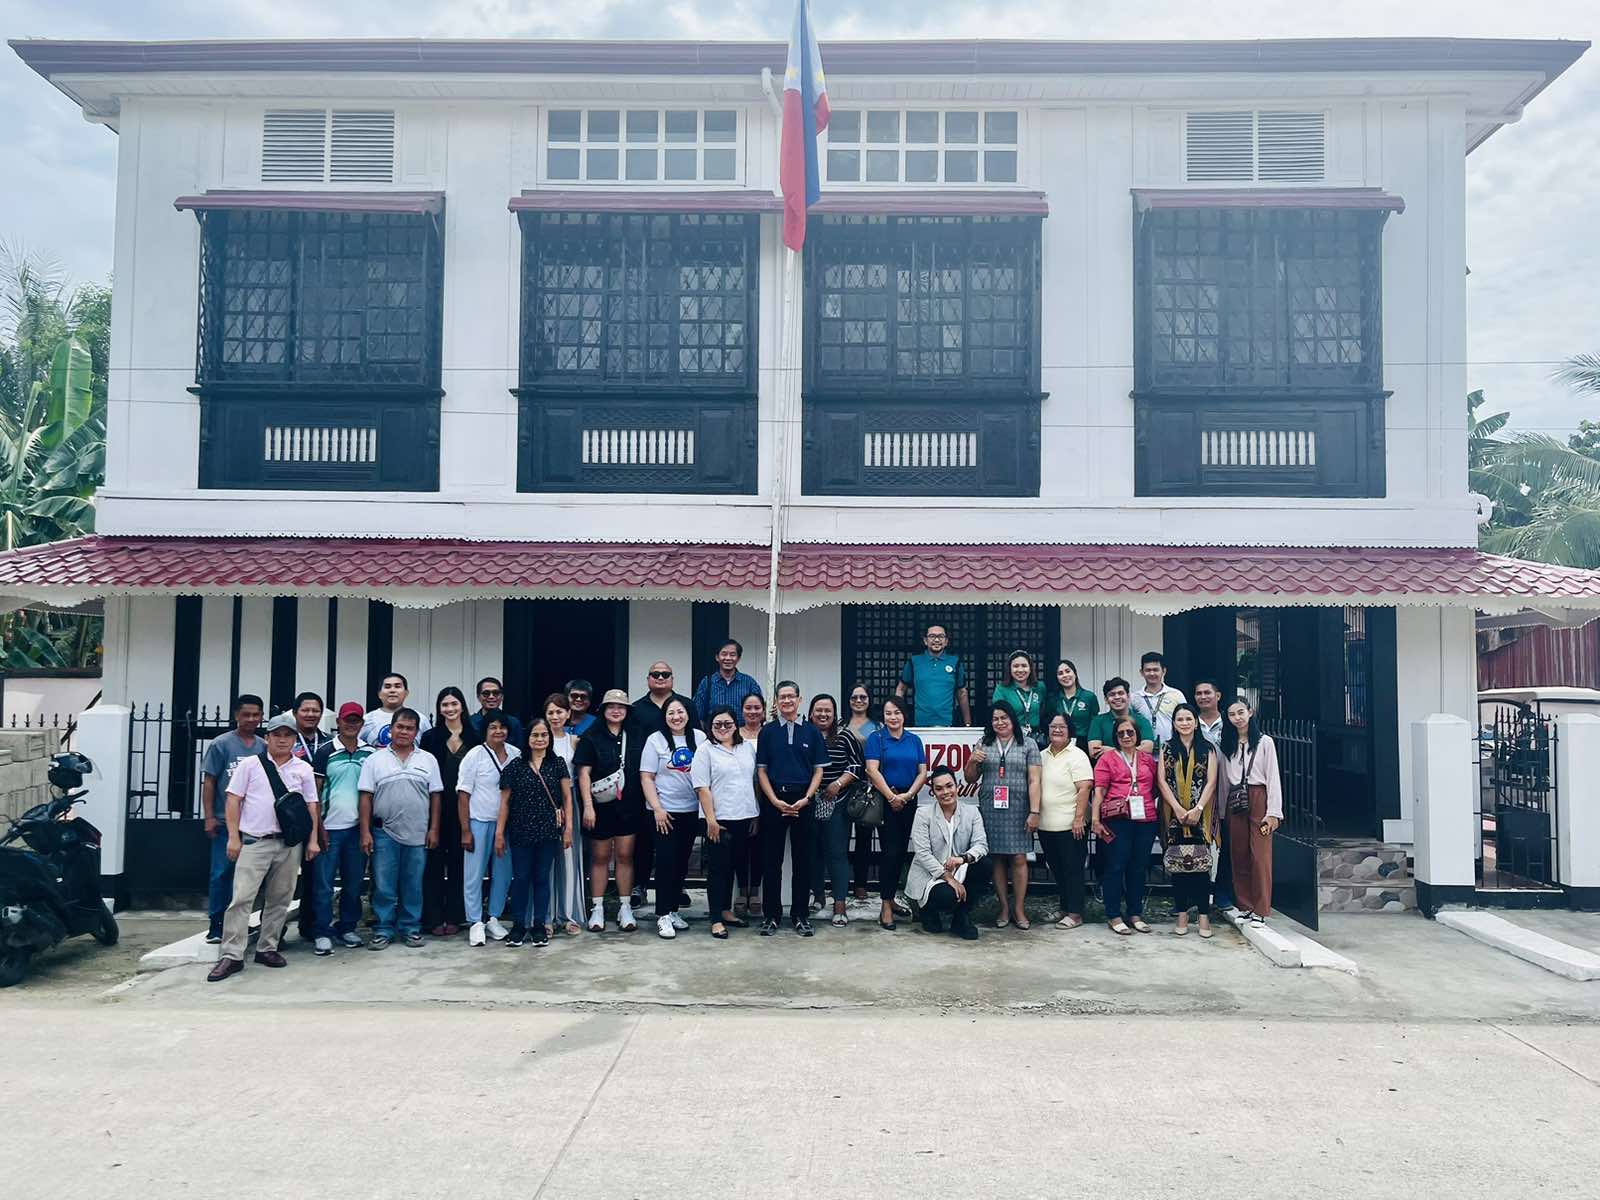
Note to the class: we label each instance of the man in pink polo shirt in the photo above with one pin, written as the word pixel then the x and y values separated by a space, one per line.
pixel 257 850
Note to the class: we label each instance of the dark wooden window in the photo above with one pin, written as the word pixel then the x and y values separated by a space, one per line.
pixel 1258 364
pixel 318 350
pixel 638 352
pixel 877 639
pixel 921 362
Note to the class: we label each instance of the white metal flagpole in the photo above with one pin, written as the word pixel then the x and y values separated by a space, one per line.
pixel 788 383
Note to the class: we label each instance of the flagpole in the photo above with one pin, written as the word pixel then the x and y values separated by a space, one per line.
pixel 788 378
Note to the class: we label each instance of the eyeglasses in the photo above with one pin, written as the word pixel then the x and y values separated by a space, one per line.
pixel 723 724
pixel 660 674
pixel 859 696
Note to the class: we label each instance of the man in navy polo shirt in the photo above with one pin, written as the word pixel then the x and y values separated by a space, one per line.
pixel 790 755
pixel 937 682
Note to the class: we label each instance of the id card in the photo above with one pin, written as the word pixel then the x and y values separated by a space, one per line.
pixel 1002 796
pixel 1138 808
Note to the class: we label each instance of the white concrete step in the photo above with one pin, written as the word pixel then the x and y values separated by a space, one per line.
pixel 1285 943
pixel 1570 962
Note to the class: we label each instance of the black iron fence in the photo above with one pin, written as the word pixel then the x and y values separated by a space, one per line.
pixel 1520 798
pixel 165 751
pixel 1294 847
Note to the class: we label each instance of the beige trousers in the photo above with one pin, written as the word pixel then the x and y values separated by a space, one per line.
pixel 269 863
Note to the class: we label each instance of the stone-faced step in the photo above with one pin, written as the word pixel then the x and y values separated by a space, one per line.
pixel 1367 898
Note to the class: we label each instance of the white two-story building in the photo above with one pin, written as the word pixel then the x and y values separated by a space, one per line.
pixel 463 358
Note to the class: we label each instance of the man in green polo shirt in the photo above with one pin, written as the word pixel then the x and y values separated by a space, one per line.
pixel 937 682
pixel 1116 693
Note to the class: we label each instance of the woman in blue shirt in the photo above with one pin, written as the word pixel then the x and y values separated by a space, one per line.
pixel 897 766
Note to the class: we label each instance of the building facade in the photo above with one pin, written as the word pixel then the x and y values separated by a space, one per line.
pixel 485 358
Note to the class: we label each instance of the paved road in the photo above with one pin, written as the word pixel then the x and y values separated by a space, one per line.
pixel 858 1064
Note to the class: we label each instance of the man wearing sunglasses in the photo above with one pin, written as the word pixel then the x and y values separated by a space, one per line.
pixel 644 720
pixel 492 698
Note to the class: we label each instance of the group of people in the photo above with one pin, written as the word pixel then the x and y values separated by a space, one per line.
pixel 513 829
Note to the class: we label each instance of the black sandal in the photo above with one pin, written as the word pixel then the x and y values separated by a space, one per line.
pixel 723 936
pixel 889 925
pixel 736 923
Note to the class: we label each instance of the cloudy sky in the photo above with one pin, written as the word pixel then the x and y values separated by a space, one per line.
pixel 1533 188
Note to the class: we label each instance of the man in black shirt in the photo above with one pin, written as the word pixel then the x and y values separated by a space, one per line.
pixel 646 718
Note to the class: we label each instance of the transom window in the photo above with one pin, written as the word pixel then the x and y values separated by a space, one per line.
pixel 914 304
pixel 922 146
pixel 643 145
pixel 638 299
pixel 1260 298
pixel 319 297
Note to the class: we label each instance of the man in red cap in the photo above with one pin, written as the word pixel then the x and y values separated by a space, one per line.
pixel 338 769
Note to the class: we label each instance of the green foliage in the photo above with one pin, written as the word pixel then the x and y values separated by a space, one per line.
pixel 1546 493
pixel 54 347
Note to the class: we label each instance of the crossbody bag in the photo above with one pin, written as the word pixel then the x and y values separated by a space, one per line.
pixel 1239 793
pixel 604 791
pixel 294 815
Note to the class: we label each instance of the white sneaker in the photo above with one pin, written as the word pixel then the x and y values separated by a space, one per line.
pixel 597 919
pixel 496 930
pixel 324 946
pixel 625 921
pixel 475 934
pixel 678 922
pixel 1234 913
pixel 664 928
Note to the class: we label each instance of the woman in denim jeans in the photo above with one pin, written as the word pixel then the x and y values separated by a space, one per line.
pixel 832 825
pixel 1124 815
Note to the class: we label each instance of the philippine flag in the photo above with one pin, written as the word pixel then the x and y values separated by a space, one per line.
pixel 805 114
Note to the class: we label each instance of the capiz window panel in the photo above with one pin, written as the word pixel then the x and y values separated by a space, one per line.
pixel 877 146
pixel 643 145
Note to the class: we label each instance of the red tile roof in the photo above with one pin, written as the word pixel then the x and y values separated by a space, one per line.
pixel 436 571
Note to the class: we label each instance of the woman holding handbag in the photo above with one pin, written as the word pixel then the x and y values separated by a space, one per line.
pixel 1188 783
pixel 724 776
pixel 535 812
pixel 613 807
pixel 1125 822
pixel 840 778
pixel 1253 791
pixel 863 724
pixel 897 766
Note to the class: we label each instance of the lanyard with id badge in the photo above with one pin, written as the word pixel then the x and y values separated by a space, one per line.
pixel 1001 792
pixel 1138 805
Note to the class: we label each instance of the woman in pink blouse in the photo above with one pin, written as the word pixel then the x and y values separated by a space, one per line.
pixel 1252 797
pixel 1125 806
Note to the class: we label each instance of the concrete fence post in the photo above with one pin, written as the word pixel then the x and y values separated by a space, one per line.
pixel 103 737
pixel 1442 782
pixel 1577 815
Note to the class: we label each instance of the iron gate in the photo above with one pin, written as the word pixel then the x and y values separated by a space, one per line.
pixel 1294 846
pixel 1521 827
pixel 167 849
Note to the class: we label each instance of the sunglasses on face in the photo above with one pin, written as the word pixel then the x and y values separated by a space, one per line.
pixel 660 674
pixel 490 692
pixel 1121 733
pixel 723 724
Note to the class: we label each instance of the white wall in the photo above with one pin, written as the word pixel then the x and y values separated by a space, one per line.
pixel 1085 155
pixel 1436 661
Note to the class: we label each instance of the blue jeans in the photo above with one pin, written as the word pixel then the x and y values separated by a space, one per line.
pixel 220 894
pixel 1127 865
pixel 531 866
pixel 831 850
pixel 396 883
pixel 473 864
pixel 342 856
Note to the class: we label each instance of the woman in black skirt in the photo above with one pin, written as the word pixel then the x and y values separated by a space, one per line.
pixel 1188 783
pixel 613 807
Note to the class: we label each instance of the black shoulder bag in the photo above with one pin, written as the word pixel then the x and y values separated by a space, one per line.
pixel 294 816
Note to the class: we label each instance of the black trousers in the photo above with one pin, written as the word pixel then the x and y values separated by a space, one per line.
pixel 942 901
pixel 862 856
pixel 1065 855
pixel 722 859
pixel 442 899
pixel 775 829
pixel 1191 890
pixel 894 835
pixel 672 859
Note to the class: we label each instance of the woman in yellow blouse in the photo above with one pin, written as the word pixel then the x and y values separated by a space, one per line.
pixel 1065 778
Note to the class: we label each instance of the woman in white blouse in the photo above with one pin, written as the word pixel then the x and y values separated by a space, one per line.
pixel 478 795
pixel 1252 796
pixel 570 881
pixel 724 774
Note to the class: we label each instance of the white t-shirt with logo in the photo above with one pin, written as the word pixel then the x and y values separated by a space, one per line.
pixel 670 765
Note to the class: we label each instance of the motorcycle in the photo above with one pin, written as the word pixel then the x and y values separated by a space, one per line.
pixel 51 890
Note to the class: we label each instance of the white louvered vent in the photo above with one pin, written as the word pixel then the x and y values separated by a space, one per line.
pixel 1255 147
pixel 294 145
pixel 362 147
pixel 1290 147
pixel 314 145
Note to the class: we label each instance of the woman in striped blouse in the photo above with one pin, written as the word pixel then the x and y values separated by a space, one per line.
pixel 832 825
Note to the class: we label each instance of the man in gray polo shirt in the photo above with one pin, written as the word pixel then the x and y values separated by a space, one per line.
pixel 400 789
